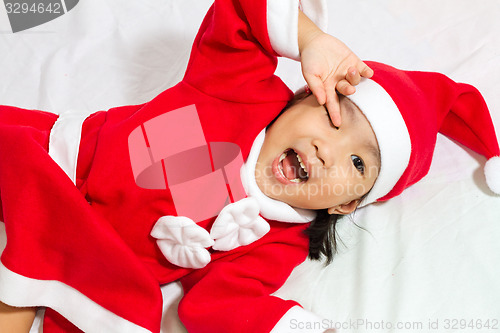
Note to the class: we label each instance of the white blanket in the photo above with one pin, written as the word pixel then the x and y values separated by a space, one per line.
pixel 426 261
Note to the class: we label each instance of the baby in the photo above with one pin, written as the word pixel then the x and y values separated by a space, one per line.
pixel 144 213
pixel 149 194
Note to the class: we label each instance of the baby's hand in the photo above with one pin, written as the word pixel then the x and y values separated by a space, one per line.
pixel 329 65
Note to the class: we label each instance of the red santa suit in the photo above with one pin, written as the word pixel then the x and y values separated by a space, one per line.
pixel 159 196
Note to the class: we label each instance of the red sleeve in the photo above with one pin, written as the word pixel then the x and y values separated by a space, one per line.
pixel 233 294
pixel 232 58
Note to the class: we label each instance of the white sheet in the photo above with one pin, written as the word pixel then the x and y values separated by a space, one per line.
pixel 428 260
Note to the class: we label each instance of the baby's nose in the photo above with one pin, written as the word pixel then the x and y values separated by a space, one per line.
pixel 324 153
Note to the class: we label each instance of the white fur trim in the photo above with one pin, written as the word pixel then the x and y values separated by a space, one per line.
pixel 182 241
pixel 64 141
pixel 282 21
pixel 269 208
pixel 299 320
pixel 238 224
pixel 392 135
pixel 492 174
pixel 18 290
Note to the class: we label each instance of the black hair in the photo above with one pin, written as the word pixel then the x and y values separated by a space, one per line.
pixel 323 236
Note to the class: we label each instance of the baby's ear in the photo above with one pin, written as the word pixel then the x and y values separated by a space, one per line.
pixel 344 209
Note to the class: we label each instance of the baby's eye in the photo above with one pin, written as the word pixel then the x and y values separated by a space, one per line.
pixel 358 164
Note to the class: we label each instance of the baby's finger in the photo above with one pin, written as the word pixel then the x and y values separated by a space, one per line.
pixel 345 88
pixel 364 70
pixel 330 85
pixel 333 106
pixel 317 88
pixel 353 76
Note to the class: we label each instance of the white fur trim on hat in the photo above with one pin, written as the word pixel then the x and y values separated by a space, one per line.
pixel 492 174
pixel 391 132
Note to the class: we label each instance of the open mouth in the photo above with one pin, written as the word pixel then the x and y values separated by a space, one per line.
pixel 292 167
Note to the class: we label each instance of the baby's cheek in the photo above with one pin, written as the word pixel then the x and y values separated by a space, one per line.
pixel 351 185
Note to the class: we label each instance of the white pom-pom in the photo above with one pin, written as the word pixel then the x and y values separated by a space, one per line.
pixel 492 174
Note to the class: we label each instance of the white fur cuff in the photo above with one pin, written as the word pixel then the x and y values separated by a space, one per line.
pixel 282 23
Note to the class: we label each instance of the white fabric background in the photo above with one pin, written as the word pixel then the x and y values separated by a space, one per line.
pixel 427 256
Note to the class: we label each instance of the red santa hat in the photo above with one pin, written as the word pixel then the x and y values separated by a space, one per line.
pixel 407 109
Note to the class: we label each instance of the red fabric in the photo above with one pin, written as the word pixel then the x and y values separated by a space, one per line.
pixel 55 323
pixel 96 237
pixel 40 122
pixel 238 30
pixel 53 233
pixel 241 284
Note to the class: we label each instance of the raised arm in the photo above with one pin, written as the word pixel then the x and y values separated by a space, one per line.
pixel 328 65
pixel 234 55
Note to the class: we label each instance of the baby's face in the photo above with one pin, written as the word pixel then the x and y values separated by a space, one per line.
pixel 308 163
